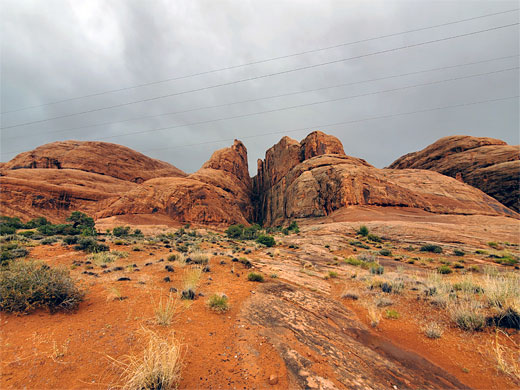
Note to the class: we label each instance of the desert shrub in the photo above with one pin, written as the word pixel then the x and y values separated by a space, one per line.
pixel 6 230
pixel 190 281
pixel 70 240
pixel 358 244
pixel 27 233
pixel 266 240
pixel 385 252
pixel 11 251
pixel 353 261
pixel 467 315
pixel 431 248
pixel 458 266
pixel 25 286
pixel 166 310
pixel 198 258
pixel 35 222
pixel 392 314
pixel 505 259
pixel 332 274
pixel 493 245
pixel 363 230
pixel 235 231
pixel 374 238
pixel 218 303
pixel 433 330
pixel 377 269
pixel 374 315
pixel 12 222
pixel 458 252
pixel 121 231
pixel 90 245
pixel 138 233
pixel 49 240
pixel 159 366
pixel 293 227
pixel 255 277
pixel 444 269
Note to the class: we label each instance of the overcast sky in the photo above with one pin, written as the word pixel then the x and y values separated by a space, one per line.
pixel 54 50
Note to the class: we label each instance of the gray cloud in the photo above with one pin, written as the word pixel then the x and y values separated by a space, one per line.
pixel 57 49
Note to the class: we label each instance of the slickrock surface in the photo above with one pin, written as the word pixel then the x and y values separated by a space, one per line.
pixel 489 164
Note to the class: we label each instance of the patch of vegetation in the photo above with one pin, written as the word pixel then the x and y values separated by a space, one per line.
pixel 190 281
pixel 268 241
pixel 255 277
pixel 493 245
pixel 10 251
pixel 467 315
pixel 218 303
pixel 392 314
pixel 363 231
pixel 377 269
pixel 358 244
pixel 121 231
pixel 431 248
pixel 28 285
pixel 385 252
pixel 433 330
pixel 374 238
pixel 444 269
pixel 90 245
pixel 458 252
pixel 165 310
pixel 159 366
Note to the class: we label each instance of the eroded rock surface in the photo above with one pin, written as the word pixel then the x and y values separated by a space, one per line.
pixel 316 335
pixel 315 178
pixel 489 164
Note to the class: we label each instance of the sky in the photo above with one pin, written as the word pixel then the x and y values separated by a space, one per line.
pixel 61 58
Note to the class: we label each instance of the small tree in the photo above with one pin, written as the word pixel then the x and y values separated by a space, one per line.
pixel 235 231
pixel 266 240
pixel 363 230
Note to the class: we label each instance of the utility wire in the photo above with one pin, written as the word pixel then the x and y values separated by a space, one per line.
pixel 265 60
pixel 330 124
pixel 262 76
pixel 341 123
pixel 307 104
pixel 262 98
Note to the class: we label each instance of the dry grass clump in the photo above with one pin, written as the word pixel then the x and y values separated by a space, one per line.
pixel 166 310
pixel 106 257
pixel 374 315
pixel 28 285
pixel 218 303
pixel 433 330
pixel 190 281
pixel 199 257
pixel 158 367
pixel 467 314
pixel 507 358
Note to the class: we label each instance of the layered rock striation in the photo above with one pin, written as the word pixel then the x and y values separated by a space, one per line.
pixel 488 164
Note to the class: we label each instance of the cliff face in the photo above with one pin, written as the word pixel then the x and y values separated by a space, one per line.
pixel 314 178
pixel 488 164
pixel 105 179
pixel 218 193
pixel 311 178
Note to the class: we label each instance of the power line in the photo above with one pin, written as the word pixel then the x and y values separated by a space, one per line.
pixel 335 123
pixel 342 123
pixel 264 60
pixel 260 77
pixel 307 104
pixel 264 98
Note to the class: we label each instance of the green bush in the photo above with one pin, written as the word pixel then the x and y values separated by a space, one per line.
pixel 36 222
pixel 458 252
pixel 377 269
pixel 255 277
pixel 431 248
pixel 121 231
pixel 70 240
pixel 6 230
pixel 363 230
pixel 90 245
pixel 235 231
pixel 218 303
pixel 358 244
pixel 444 269
pixel 266 240
pixel 25 286
pixel 374 238
pixel 385 252
pixel 11 251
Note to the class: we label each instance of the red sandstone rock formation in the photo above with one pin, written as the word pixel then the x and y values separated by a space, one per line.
pixel 314 178
pixel 485 163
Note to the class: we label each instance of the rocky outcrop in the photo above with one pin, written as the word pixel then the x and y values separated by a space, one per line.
pixel 290 187
pixel 489 164
pixel 96 157
pixel 219 193
pixel 106 179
